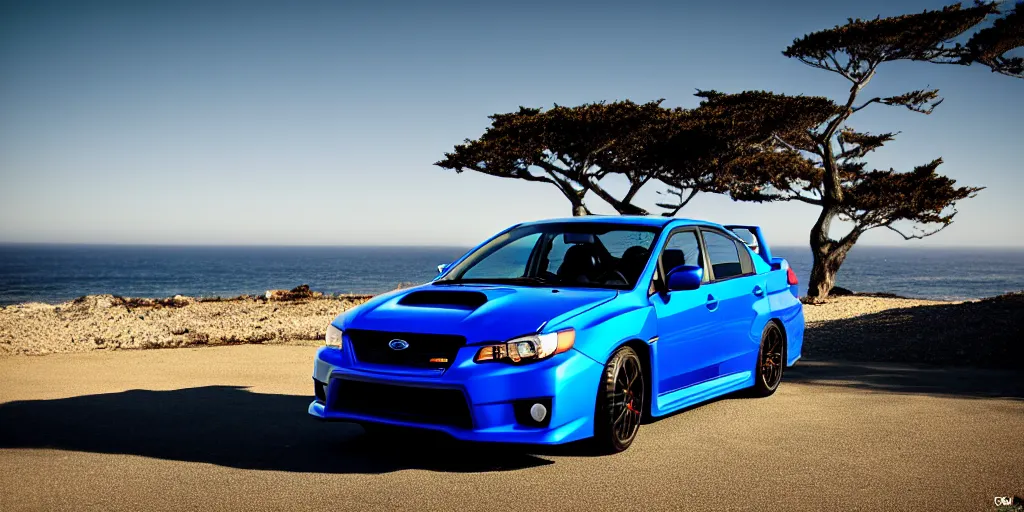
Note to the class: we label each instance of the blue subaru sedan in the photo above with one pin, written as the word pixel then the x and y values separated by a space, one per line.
pixel 562 330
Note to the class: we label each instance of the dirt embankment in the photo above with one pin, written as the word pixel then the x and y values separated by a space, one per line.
pixel 109 322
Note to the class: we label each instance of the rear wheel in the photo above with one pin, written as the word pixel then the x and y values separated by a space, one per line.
pixel 620 402
pixel 770 361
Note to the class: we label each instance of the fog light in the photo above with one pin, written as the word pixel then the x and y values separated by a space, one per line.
pixel 533 412
pixel 538 412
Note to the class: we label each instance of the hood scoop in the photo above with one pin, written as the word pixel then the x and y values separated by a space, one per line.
pixel 452 299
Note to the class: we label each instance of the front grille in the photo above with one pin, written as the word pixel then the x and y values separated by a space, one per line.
pixel 418 405
pixel 373 347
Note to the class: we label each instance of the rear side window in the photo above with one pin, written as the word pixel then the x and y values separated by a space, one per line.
pixel 724 255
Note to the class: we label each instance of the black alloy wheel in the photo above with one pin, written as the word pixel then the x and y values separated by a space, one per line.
pixel 620 402
pixel 770 360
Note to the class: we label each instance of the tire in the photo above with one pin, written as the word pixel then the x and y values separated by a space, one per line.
pixel 770 361
pixel 620 402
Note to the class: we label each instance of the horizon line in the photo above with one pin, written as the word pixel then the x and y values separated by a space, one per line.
pixel 426 246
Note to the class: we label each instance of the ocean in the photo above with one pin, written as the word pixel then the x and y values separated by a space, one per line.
pixel 56 273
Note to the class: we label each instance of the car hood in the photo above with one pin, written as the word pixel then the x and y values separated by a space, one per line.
pixel 481 313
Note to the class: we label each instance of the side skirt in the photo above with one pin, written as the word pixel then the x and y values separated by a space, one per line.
pixel 681 398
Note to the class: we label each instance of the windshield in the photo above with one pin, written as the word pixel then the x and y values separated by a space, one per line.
pixel 560 254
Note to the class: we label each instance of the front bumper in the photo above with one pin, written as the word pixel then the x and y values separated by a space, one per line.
pixel 568 380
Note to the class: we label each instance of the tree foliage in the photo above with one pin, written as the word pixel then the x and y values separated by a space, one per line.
pixel 991 46
pixel 799 148
pixel 576 148
pixel 855 49
pixel 763 146
pixel 769 146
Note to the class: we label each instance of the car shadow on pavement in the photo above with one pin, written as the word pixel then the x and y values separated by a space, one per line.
pixel 231 426
pixel 903 379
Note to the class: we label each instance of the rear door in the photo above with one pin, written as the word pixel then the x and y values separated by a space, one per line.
pixel 687 353
pixel 732 294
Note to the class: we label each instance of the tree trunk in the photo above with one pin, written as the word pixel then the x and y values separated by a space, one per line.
pixel 827 260
pixel 828 255
pixel 578 210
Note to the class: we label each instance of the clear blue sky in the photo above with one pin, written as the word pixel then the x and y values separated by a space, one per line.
pixel 317 123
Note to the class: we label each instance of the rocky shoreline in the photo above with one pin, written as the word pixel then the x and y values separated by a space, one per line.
pixel 107 322
pixel 858 327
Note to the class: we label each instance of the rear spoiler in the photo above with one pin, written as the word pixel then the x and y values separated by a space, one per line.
pixel 758 245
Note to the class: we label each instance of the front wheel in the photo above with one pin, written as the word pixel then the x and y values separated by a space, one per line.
pixel 770 361
pixel 620 402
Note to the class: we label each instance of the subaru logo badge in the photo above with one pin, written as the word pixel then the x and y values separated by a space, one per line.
pixel 398 344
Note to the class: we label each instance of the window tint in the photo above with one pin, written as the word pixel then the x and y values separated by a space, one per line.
pixel 589 254
pixel 507 262
pixel 723 254
pixel 681 249
pixel 615 242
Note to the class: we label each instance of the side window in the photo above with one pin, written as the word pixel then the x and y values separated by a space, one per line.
pixel 557 253
pixel 682 248
pixel 723 254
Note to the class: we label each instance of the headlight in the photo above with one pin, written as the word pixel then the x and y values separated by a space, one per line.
pixel 333 338
pixel 528 348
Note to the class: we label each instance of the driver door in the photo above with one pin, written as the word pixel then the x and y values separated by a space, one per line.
pixel 686 327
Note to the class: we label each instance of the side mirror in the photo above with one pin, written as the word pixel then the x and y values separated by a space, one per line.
pixel 442 267
pixel 685 277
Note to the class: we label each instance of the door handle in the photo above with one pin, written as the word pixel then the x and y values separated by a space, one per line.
pixel 712 302
pixel 758 291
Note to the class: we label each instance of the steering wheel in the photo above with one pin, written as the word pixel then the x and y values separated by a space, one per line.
pixel 615 274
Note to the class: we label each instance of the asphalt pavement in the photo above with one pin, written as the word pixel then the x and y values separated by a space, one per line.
pixel 226 428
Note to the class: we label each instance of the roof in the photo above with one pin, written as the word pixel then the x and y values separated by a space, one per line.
pixel 637 220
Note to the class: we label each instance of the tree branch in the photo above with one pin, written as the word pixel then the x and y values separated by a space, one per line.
pixel 866 103
pixel 624 208
pixel 804 199
pixel 917 236
pixel 635 187
pixel 674 208
pixel 783 142
pixel 522 174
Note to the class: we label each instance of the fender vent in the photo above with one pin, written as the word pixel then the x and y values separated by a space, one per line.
pixel 467 300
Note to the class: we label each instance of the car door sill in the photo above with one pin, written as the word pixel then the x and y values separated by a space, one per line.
pixel 692 394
